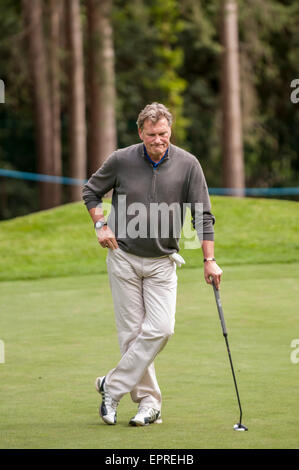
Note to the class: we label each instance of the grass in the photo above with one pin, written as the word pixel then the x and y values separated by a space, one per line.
pixel 59 335
pixel 57 324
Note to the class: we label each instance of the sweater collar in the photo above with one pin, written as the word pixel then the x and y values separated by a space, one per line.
pixel 156 164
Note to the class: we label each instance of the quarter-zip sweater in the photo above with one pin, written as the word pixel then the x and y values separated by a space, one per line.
pixel 137 185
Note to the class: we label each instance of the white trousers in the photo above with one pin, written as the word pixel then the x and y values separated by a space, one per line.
pixel 144 297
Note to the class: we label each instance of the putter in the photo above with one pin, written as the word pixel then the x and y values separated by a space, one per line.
pixel 239 426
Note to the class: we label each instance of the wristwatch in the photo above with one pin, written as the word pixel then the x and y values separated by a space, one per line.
pixel 99 224
pixel 209 259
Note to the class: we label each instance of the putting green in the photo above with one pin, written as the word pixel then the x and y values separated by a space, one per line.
pixel 59 334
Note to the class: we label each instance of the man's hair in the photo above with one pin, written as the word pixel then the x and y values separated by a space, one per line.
pixel 154 112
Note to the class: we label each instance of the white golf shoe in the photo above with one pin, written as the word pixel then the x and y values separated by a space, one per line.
pixel 108 407
pixel 145 416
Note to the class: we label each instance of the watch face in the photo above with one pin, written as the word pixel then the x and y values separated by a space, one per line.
pixel 99 224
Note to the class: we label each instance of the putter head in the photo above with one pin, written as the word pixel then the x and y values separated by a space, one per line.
pixel 240 427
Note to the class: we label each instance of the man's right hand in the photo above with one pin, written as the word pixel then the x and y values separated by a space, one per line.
pixel 107 238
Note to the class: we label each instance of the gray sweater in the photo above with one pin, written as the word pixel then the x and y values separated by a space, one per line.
pixel 142 194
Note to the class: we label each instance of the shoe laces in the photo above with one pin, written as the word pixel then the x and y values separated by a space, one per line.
pixel 151 412
pixel 108 400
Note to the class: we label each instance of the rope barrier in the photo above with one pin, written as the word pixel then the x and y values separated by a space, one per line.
pixel 293 191
pixel 41 177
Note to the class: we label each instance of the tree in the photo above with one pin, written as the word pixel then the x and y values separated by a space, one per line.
pixel 77 118
pixel 232 142
pixel 32 13
pixel 101 83
pixel 54 73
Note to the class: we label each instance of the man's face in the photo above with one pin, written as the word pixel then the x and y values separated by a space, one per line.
pixel 156 137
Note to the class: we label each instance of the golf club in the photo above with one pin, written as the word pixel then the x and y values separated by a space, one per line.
pixel 239 426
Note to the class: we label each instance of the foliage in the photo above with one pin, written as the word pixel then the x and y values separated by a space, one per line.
pixel 169 51
pixel 152 73
pixel 269 47
pixel 170 56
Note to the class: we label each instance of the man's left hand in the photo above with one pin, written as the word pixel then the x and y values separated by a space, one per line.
pixel 212 272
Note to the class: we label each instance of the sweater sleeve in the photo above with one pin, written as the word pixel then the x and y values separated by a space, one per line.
pixel 200 205
pixel 100 182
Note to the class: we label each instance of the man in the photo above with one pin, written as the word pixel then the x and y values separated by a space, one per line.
pixel 142 260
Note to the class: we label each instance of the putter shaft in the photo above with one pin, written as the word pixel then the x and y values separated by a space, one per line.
pixel 221 317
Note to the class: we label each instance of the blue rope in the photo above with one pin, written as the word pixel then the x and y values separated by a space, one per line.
pixel 39 177
pixel 255 191
pixel 213 191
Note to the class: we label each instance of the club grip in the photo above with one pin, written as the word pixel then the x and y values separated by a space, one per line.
pixel 219 308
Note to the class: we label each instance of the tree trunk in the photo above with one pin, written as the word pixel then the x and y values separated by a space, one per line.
pixel 77 124
pixel 101 86
pixel 55 22
pixel 32 12
pixel 232 141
